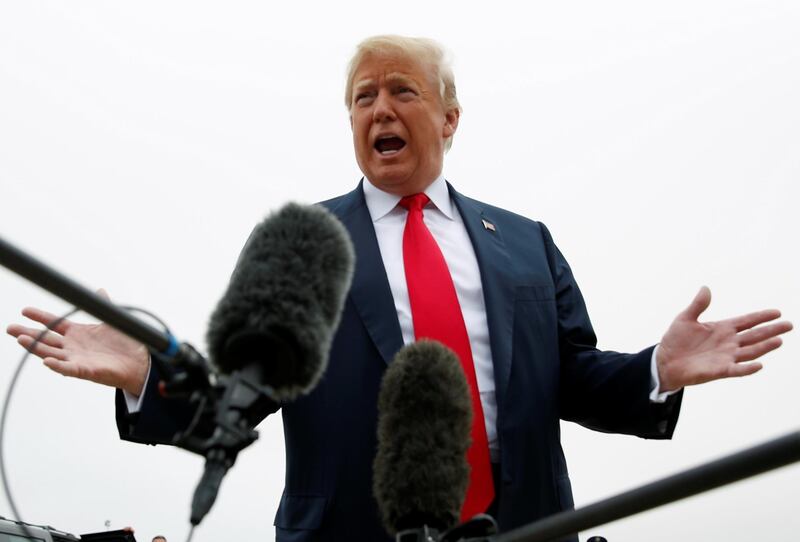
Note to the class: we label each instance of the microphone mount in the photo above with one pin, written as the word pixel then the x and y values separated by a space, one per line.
pixel 479 528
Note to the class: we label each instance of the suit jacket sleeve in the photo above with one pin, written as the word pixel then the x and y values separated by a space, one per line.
pixel 603 390
pixel 160 419
pixel 157 421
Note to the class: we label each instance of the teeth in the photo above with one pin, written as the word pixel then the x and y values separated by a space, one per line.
pixel 392 151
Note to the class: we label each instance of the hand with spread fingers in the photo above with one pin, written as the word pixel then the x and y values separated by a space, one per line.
pixel 95 352
pixel 693 352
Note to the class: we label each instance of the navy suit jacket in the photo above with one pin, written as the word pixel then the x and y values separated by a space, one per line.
pixel 546 368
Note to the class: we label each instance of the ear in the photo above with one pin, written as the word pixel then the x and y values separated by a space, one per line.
pixel 450 122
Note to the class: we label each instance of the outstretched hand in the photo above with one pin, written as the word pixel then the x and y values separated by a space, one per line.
pixel 693 352
pixel 95 352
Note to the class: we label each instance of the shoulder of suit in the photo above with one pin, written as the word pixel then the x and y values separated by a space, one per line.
pixel 344 204
pixel 331 203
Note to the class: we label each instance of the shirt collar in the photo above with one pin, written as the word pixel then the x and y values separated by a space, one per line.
pixel 380 203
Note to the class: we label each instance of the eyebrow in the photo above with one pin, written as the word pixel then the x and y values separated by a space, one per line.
pixel 364 83
pixel 392 78
pixel 399 78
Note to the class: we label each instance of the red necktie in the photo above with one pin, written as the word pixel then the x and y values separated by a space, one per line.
pixel 437 315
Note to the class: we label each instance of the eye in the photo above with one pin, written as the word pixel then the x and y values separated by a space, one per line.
pixel 364 98
pixel 405 93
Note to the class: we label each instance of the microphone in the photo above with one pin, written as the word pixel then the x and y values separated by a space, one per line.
pixel 420 472
pixel 270 334
pixel 284 300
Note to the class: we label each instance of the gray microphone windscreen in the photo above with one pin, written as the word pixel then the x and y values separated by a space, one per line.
pixel 284 300
pixel 424 422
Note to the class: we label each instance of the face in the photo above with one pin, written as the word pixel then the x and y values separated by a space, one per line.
pixel 399 123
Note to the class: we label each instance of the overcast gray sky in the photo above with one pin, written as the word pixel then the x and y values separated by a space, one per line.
pixel 140 142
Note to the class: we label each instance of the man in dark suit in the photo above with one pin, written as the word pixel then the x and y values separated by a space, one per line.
pixel 531 345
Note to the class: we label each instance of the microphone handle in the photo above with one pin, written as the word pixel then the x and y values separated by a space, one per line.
pixel 217 464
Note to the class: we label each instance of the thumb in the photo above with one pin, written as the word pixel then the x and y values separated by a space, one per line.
pixel 102 293
pixel 699 304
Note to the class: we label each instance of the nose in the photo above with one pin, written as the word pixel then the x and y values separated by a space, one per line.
pixel 383 110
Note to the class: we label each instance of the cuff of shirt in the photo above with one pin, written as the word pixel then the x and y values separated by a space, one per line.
pixel 655 383
pixel 134 403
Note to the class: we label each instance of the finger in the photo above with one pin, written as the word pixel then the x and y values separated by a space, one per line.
pixel 757 350
pixel 746 321
pixel 65 368
pixel 39 349
pixel 45 318
pixel 699 304
pixel 49 338
pixel 102 293
pixel 744 369
pixel 763 333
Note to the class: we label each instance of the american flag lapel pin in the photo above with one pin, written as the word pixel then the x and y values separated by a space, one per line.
pixel 488 225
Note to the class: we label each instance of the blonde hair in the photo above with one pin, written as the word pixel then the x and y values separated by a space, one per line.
pixel 423 50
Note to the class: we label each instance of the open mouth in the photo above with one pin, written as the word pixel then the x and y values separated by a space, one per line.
pixel 389 145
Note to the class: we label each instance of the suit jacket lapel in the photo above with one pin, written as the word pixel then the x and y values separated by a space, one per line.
pixel 497 282
pixel 370 290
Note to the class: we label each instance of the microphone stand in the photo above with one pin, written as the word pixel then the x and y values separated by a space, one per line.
pixel 184 371
pixel 752 461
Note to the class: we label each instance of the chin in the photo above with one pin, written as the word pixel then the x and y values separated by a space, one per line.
pixel 389 180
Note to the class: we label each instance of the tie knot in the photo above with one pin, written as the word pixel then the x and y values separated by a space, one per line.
pixel 415 202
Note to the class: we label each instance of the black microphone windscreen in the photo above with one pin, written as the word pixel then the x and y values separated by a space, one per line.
pixel 284 300
pixel 420 473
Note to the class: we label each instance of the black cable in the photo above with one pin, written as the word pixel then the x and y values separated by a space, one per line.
pixel 6 487
pixel 7 402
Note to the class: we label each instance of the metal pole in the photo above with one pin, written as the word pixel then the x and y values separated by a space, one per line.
pixel 732 468
pixel 62 286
